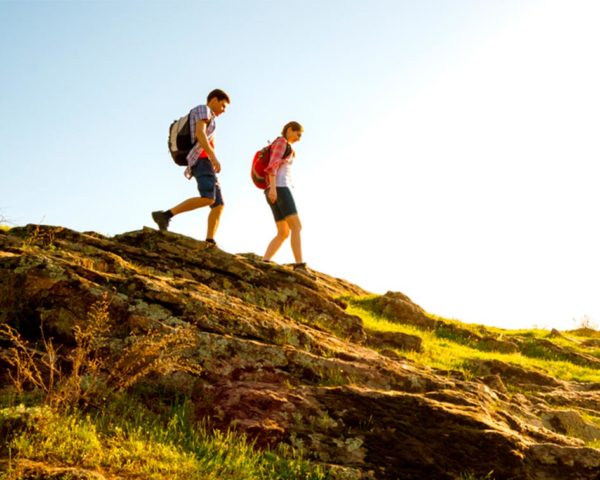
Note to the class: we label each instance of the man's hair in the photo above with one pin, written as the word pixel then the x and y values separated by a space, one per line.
pixel 295 126
pixel 219 95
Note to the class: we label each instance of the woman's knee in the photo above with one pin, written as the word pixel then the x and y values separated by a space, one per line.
pixel 283 230
pixel 294 223
pixel 283 233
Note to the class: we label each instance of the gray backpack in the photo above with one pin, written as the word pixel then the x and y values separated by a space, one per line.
pixel 180 140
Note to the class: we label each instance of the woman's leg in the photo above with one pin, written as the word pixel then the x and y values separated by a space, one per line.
pixel 283 231
pixel 295 226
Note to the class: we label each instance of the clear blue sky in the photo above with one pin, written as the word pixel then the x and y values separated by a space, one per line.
pixel 450 148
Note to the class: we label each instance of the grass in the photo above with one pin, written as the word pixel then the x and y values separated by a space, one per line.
pixel 126 439
pixel 123 437
pixel 83 416
pixel 448 354
pixel 471 476
pixel 570 339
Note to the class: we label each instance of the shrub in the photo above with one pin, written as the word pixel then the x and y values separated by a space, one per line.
pixel 89 373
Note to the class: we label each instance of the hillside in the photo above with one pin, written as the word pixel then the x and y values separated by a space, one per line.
pixel 362 385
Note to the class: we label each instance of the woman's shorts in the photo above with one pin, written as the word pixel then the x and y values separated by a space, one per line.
pixel 208 186
pixel 284 206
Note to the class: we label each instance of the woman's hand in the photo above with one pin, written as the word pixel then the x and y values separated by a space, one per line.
pixel 272 195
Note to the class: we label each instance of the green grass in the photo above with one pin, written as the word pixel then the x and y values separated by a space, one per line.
pixel 448 354
pixel 127 439
pixel 471 476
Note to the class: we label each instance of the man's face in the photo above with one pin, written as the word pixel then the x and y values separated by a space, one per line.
pixel 218 106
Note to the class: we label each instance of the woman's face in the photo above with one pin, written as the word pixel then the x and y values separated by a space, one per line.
pixel 293 136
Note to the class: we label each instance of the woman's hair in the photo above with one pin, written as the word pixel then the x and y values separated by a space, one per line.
pixel 295 126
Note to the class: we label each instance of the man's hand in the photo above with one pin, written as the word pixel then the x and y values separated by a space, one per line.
pixel 216 165
pixel 205 144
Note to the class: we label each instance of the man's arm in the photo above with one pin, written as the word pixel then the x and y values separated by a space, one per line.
pixel 205 144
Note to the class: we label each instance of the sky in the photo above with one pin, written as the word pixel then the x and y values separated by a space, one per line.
pixel 449 150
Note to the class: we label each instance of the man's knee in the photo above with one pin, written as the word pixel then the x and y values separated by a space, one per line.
pixel 206 201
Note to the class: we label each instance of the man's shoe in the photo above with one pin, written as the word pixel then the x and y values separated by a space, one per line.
pixel 161 220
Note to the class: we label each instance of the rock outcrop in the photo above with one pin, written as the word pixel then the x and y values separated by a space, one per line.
pixel 277 356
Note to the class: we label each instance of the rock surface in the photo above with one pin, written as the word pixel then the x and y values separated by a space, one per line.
pixel 279 358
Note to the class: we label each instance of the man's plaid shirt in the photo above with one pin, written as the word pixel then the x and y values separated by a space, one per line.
pixel 201 112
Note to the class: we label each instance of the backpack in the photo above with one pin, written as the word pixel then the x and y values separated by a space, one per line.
pixel 261 162
pixel 180 140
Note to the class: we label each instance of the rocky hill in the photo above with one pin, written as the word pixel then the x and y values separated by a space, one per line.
pixel 275 354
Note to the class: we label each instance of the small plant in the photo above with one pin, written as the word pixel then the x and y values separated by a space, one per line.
pixel 155 352
pixel 594 444
pixel 4 223
pixel 334 377
pixel 30 367
pixel 42 237
pixel 88 373
pixel 472 476
pixel 290 311
pixel 585 322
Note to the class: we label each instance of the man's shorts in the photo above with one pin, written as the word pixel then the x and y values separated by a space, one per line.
pixel 208 186
pixel 284 206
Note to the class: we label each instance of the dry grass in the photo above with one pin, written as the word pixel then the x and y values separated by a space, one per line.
pixel 90 371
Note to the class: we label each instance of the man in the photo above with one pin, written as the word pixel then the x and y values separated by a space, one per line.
pixel 203 165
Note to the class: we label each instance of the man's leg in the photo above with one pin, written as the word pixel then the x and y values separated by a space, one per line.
pixel 207 187
pixel 192 204
pixel 162 218
pixel 214 217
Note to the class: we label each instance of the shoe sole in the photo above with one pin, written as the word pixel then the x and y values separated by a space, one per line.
pixel 156 217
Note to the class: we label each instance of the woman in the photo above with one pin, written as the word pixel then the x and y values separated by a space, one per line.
pixel 279 194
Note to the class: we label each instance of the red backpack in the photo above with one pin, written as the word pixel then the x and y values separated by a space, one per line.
pixel 261 162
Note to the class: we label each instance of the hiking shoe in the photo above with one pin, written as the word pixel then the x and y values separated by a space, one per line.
pixel 301 268
pixel 161 219
pixel 268 264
